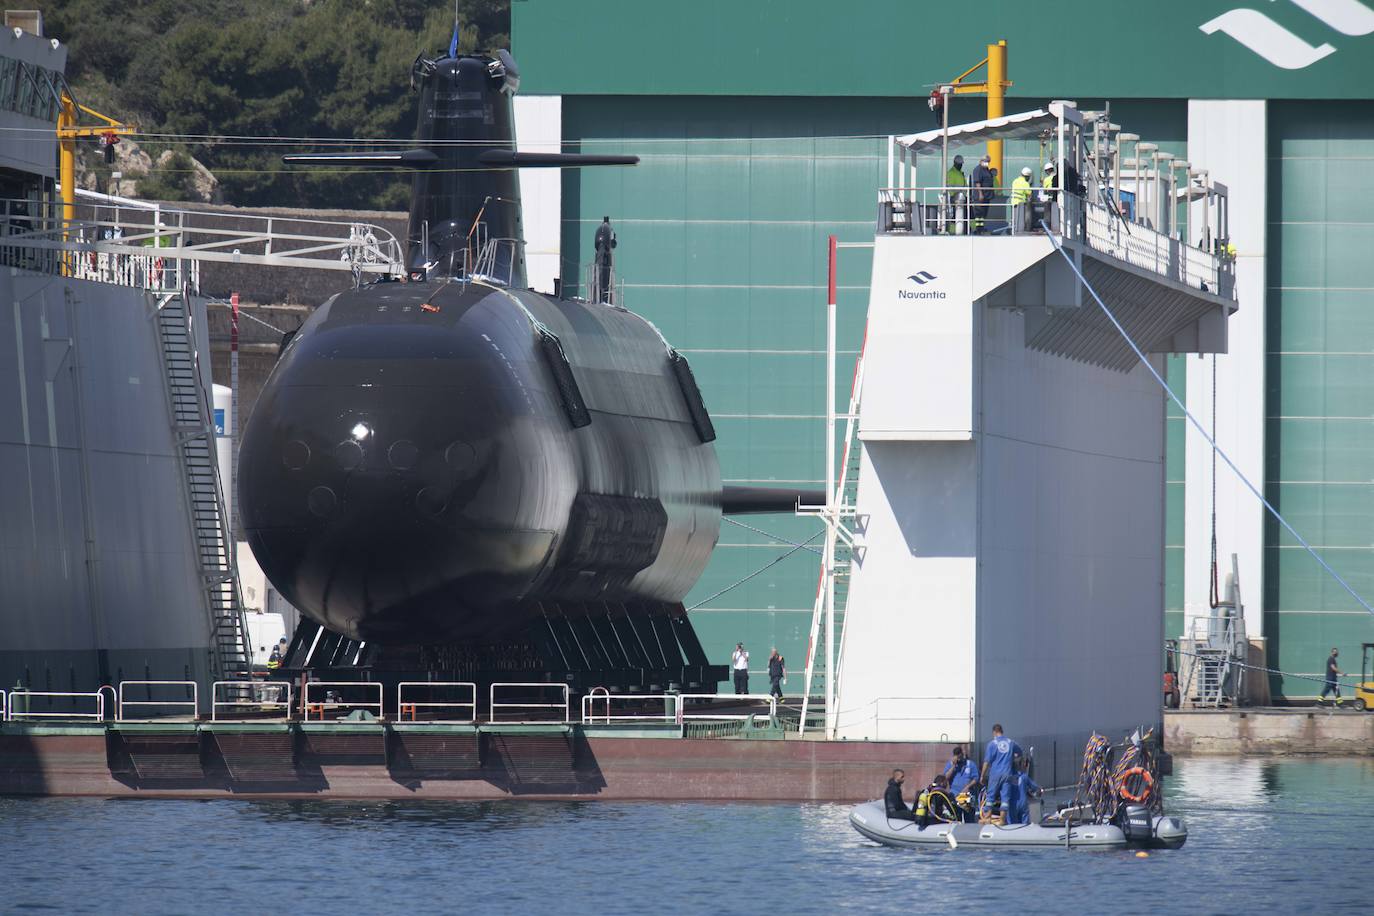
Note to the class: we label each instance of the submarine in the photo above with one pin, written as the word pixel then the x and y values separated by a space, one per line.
pixel 454 459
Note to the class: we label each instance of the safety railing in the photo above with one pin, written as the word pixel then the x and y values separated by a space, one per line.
pixel 20 705
pixel 699 703
pixel 601 707
pixel 432 701
pixel 322 698
pixel 113 705
pixel 532 702
pixel 180 708
pixel 157 247
pixel 958 211
pixel 4 712
pixel 255 700
pixel 946 719
pixel 497 261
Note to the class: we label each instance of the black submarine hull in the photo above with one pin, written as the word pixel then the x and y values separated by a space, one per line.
pixel 435 462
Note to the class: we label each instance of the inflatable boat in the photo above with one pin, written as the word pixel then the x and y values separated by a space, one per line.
pixel 1139 829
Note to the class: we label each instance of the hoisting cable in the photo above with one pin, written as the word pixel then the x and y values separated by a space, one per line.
pixel 1216 449
pixel 1288 675
pixel 762 569
pixel 1216 590
pixel 775 537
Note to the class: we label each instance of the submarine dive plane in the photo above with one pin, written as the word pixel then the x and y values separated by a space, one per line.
pixel 454 459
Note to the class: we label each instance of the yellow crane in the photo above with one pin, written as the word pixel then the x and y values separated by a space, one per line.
pixel 994 86
pixel 69 130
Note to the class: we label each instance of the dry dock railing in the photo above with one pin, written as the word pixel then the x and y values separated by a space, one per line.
pixel 417 703
pixel 186 708
pixel 257 700
pixel 430 701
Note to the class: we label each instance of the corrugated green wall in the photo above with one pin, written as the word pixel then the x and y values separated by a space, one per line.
pixel 722 232
pixel 1319 465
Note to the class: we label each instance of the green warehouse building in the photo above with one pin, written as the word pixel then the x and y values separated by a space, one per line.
pixel 763 127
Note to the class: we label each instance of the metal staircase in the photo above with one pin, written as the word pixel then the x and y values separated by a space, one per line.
pixel 1216 647
pixel 193 429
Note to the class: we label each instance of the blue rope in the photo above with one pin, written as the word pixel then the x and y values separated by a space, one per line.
pixel 1210 441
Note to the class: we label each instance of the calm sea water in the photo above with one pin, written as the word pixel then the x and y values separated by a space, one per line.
pixel 1283 836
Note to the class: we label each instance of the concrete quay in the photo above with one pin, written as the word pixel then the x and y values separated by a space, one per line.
pixel 1269 731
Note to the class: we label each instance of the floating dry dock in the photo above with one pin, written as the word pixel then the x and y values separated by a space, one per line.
pixel 387 760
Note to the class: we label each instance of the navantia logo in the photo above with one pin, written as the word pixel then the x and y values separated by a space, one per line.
pixel 1283 48
pixel 921 278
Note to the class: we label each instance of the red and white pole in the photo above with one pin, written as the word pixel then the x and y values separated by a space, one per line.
pixel 233 415
pixel 831 509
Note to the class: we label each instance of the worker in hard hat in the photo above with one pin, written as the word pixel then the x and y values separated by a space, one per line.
pixel 984 177
pixel 955 183
pixel 1049 195
pixel 1020 201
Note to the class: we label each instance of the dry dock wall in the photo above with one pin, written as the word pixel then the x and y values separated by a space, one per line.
pixel 394 764
pixel 1202 732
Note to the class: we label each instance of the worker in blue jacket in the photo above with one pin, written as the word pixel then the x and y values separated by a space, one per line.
pixel 962 774
pixel 1026 789
pixel 1001 762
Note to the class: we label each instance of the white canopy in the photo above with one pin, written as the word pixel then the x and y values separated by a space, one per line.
pixel 1009 127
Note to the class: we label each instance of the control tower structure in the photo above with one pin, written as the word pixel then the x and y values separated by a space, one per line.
pixel 1007 530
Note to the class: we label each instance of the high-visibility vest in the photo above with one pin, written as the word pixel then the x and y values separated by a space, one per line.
pixel 955 178
pixel 1020 190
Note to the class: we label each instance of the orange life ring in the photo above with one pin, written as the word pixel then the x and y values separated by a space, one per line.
pixel 1148 787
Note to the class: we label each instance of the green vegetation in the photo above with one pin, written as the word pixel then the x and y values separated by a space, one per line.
pixel 264 68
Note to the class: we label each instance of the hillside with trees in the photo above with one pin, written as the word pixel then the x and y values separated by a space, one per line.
pixel 204 79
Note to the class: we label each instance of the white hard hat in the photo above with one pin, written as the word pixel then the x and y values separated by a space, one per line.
pixel 1049 166
pixel 1026 171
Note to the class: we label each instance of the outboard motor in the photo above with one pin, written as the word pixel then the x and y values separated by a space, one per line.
pixel 1137 824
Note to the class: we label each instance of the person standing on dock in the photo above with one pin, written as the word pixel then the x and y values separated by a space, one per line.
pixel 1001 761
pixel 1332 672
pixel 777 670
pixel 739 665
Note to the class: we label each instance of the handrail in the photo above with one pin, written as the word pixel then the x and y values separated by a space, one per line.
pixel 100 243
pixel 560 707
pixel 683 715
pixel 413 706
pixel 114 697
pixel 256 689
pixel 13 716
pixel 591 717
pixel 193 703
pixel 4 712
pixel 931 211
pixel 962 714
pixel 320 706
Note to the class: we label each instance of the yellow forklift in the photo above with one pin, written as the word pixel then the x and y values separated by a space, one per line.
pixel 1364 690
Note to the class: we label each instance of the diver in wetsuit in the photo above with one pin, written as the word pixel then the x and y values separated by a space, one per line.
pixel 935 805
pixel 892 798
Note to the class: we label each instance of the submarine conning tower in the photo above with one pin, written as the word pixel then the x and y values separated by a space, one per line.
pixel 463 203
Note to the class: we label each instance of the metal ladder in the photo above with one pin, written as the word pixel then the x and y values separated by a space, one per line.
pixel 193 429
pixel 846 495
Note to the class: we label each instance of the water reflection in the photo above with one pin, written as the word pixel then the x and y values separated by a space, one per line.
pixel 1264 835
